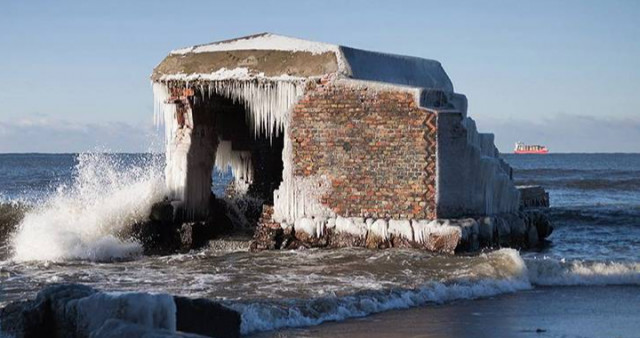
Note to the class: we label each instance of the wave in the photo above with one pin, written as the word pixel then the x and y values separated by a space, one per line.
pixel 270 315
pixel 572 171
pixel 511 274
pixel 619 184
pixel 83 220
pixel 264 316
pixel 580 179
pixel 597 215
pixel 547 271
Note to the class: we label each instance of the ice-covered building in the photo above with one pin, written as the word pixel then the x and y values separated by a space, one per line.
pixel 324 132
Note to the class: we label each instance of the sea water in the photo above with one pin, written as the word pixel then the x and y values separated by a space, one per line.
pixel 73 208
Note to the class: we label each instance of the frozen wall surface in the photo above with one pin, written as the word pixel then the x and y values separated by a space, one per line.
pixel 303 59
pixel 396 69
pixel 472 179
pixel 269 74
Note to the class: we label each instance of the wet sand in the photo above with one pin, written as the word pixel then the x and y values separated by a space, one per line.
pixel 606 311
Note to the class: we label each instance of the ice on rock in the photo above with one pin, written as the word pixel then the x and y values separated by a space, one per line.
pixel 401 228
pixel 156 311
pixel 320 223
pixel 331 223
pixel 352 226
pixel 306 225
pixel 379 228
pixel 423 230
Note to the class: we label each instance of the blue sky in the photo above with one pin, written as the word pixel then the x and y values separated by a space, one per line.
pixel 75 74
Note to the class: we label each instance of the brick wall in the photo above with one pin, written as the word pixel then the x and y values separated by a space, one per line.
pixel 377 148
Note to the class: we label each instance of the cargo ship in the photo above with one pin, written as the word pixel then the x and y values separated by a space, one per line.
pixel 522 148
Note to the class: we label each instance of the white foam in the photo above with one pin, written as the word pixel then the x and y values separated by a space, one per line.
pixel 507 268
pixel 547 271
pixel 82 221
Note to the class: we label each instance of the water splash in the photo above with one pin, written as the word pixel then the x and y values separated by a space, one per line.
pixel 83 220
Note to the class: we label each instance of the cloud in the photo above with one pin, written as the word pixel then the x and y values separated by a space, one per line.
pixel 567 133
pixel 40 133
pixel 562 133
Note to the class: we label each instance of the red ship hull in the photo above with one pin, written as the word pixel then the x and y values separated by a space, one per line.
pixel 541 151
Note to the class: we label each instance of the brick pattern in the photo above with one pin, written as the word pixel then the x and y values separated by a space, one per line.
pixel 181 97
pixel 376 147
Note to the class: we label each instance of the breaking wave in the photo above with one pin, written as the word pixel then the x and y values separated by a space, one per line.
pixel 83 220
pixel 552 272
pixel 503 271
pixel 263 316
pixel 508 271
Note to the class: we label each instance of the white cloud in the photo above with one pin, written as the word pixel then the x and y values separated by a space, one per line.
pixel 41 133
pixel 568 133
pixel 562 133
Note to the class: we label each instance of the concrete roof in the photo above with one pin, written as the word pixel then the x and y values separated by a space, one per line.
pixel 279 57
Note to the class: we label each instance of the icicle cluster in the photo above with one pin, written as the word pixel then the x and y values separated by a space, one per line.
pixel 267 103
pixel 164 113
pixel 238 161
pixel 298 197
pixel 267 107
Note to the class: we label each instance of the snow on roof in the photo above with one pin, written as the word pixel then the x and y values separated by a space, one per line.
pixel 308 58
pixel 263 41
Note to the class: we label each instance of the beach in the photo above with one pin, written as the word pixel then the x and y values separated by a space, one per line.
pixel 542 312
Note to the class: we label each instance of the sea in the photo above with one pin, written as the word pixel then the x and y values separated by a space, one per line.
pixel 60 216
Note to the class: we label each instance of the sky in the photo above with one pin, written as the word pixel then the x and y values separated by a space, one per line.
pixel 75 74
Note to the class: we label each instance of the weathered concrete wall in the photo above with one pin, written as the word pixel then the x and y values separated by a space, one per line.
pixel 472 179
pixel 375 146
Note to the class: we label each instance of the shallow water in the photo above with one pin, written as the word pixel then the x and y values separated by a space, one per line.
pixel 79 203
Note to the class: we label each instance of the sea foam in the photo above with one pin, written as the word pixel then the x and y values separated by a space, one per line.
pixel 499 272
pixel 83 220
pixel 548 271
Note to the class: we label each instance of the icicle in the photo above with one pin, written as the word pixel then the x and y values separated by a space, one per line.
pixel 267 103
pixel 163 112
pixel 267 108
pixel 238 161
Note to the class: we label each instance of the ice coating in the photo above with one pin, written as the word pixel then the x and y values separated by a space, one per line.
pixel 401 228
pixel 352 63
pixel 471 178
pixel 267 103
pixel 239 162
pixel 351 226
pixel 264 41
pixel 423 229
pixel 378 228
pixel 267 106
pixel 148 310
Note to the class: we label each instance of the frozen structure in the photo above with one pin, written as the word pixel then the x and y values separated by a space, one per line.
pixel 327 136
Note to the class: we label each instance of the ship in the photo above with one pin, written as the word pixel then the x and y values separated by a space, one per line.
pixel 522 148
